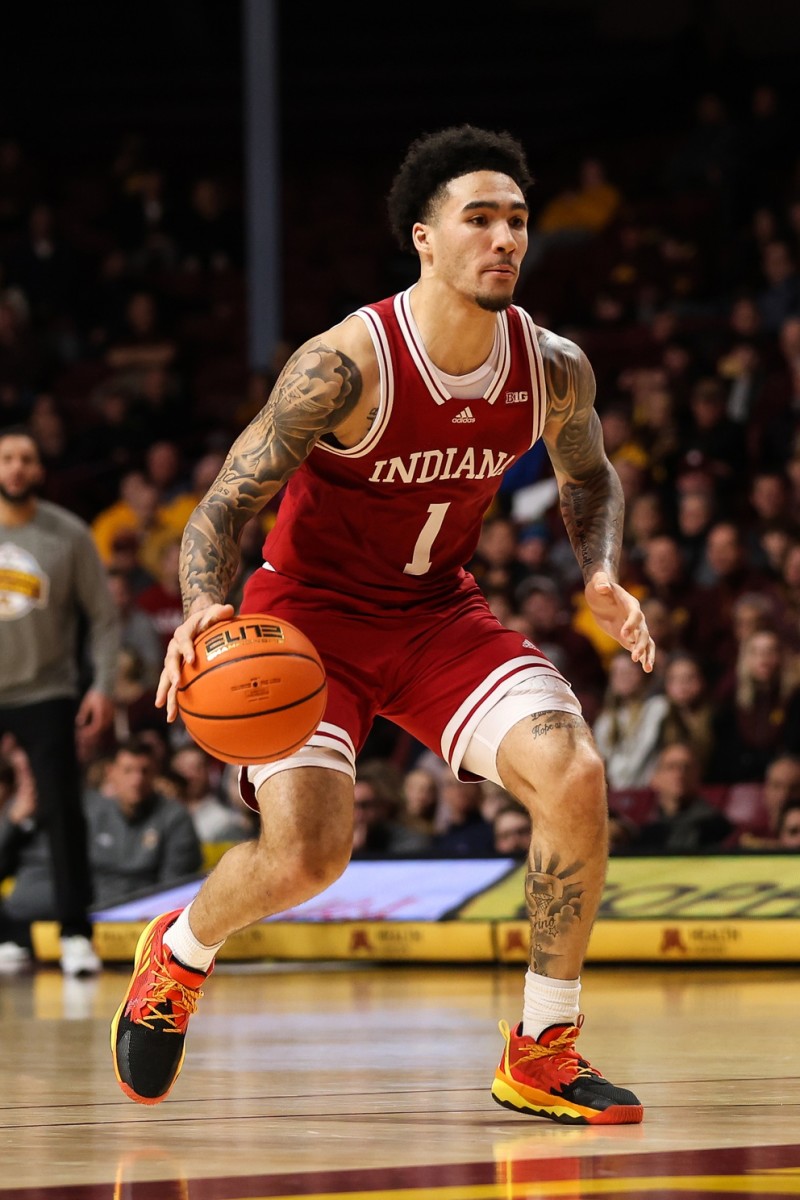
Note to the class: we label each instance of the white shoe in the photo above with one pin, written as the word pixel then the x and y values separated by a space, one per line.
pixel 14 958
pixel 78 956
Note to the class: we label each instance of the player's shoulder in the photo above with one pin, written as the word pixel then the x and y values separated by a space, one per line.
pixel 349 337
pixel 56 518
pixel 558 349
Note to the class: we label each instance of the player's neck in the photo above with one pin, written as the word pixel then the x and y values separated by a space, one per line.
pixel 458 335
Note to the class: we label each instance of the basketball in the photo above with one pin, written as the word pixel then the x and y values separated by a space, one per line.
pixel 255 692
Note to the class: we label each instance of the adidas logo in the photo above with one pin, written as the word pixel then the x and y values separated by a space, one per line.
pixel 465 417
pixel 516 397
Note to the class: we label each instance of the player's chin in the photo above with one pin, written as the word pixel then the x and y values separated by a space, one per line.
pixel 495 301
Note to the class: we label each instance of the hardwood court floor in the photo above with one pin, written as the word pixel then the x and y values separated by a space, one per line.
pixel 373 1082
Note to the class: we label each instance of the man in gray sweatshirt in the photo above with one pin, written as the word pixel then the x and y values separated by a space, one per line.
pixel 53 591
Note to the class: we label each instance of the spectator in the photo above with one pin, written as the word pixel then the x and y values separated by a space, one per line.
pixel 685 822
pixel 53 583
pixel 464 832
pixel 421 800
pixel 138 839
pixel 160 602
pixel 547 617
pixel 24 857
pixel 781 788
pixel 628 727
pixel 378 801
pixel 689 718
pixel 138 632
pixel 752 721
pixel 213 820
pixel 713 439
pixel 789 826
pixel 512 830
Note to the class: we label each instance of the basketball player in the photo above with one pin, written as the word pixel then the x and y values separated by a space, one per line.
pixel 392 431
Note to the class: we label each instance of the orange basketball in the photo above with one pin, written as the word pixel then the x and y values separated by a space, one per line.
pixel 255 692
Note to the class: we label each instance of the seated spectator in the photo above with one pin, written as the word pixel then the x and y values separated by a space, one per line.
pixel 575 214
pixel 24 859
pixel 713 439
pixel 464 832
pixel 213 820
pixel 378 801
pixel 781 787
pixel 142 341
pixel 541 604
pixel 161 601
pixel 138 839
pixel 138 633
pixel 628 727
pixel 789 827
pixel 726 575
pixel 420 800
pixel 664 576
pixel 495 563
pixel 135 712
pixel 685 822
pixel 758 716
pixel 689 718
pixel 512 828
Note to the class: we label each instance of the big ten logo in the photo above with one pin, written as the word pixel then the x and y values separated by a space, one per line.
pixel 237 635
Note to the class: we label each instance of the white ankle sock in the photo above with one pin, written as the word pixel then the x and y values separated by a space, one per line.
pixel 549 1002
pixel 185 946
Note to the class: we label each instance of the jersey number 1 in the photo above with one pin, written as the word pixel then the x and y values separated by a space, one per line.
pixel 421 559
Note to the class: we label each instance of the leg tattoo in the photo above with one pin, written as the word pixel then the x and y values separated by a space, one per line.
pixel 553 898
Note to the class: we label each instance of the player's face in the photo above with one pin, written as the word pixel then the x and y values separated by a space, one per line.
pixel 20 468
pixel 478 238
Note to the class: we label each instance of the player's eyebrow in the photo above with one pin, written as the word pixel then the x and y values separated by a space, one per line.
pixel 495 204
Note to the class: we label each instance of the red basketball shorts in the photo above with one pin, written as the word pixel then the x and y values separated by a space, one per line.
pixel 435 673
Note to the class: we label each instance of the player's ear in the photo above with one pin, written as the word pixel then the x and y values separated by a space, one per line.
pixel 420 235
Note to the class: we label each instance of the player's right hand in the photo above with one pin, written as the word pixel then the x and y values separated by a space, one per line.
pixel 181 649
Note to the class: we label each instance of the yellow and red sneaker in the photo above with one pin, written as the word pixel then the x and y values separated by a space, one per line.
pixel 546 1077
pixel 148 1032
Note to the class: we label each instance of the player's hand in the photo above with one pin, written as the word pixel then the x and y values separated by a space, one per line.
pixel 617 613
pixel 95 713
pixel 181 649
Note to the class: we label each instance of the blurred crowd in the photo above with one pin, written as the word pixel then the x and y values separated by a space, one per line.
pixel 123 349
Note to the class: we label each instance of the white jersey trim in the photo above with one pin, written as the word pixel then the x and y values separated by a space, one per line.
pixel 537 372
pixel 461 726
pixel 386 397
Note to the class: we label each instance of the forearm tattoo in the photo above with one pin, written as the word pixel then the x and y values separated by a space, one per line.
pixel 553 897
pixel 317 389
pixel 592 503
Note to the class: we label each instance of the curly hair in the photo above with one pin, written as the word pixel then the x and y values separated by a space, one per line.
pixel 436 158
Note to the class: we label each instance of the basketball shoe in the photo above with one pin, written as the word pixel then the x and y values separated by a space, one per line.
pixel 547 1077
pixel 148 1032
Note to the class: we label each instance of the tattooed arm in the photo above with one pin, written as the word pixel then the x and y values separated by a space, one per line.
pixel 590 493
pixel 324 391
pixel 318 389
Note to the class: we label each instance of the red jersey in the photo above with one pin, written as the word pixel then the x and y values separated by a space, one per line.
pixel 390 522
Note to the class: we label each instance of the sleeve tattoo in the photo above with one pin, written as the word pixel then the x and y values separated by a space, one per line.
pixel 317 389
pixel 590 492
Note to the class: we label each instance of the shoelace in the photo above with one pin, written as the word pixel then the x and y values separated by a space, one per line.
pixel 562 1050
pixel 167 989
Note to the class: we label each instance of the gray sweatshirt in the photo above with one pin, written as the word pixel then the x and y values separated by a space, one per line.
pixel 50 573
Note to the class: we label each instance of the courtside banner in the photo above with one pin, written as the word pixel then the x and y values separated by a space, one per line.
pixel 734 908
pixel 728 887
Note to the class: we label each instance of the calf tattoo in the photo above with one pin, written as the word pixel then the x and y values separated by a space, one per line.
pixel 553 896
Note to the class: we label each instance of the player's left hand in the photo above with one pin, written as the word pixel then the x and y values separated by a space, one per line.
pixel 617 613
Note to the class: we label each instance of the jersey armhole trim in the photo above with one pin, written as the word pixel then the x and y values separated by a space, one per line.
pixel 537 373
pixel 380 343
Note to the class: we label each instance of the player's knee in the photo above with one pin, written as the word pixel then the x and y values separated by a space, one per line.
pixel 310 866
